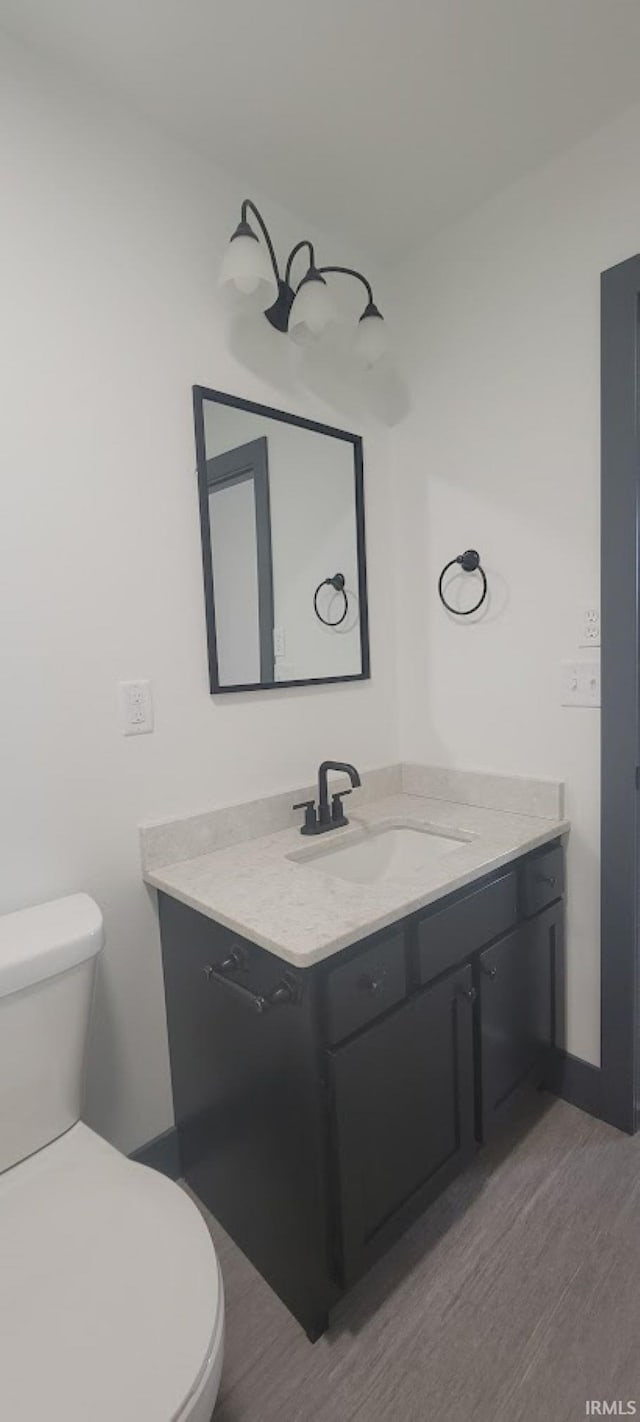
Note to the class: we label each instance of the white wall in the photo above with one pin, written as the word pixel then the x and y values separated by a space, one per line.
pixel 111 242
pixel 501 453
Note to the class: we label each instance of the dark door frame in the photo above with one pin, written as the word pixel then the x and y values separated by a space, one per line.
pixel 611 1091
pixel 248 461
pixel 620 735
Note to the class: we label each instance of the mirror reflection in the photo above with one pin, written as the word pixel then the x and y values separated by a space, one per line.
pixel 281 506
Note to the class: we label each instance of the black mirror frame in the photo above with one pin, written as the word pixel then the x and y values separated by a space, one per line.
pixel 202 393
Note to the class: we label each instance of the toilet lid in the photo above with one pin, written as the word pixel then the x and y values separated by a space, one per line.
pixel 109 1288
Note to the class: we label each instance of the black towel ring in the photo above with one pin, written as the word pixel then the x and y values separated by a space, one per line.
pixel 470 563
pixel 337 582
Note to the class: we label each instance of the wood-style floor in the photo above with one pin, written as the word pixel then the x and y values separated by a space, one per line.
pixel 516 1298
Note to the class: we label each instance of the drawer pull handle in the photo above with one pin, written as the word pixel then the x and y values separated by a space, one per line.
pixel 489 972
pixel 284 991
pixel 549 879
pixel 372 983
pixel 469 994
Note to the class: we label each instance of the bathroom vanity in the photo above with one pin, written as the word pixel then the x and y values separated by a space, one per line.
pixel 324 1098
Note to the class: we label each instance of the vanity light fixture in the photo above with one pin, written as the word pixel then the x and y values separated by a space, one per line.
pixel 305 309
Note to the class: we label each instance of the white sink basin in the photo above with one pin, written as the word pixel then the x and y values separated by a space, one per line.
pixel 369 856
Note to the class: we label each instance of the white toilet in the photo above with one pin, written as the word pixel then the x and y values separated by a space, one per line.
pixel 111 1300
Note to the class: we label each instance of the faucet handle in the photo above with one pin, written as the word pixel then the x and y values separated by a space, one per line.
pixel 338 816
pixel 310 817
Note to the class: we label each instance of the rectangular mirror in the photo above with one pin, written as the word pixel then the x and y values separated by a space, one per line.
pixel 282 521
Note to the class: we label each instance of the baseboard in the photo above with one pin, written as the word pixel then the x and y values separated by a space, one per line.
pixel 162 1153
pixel 578 1082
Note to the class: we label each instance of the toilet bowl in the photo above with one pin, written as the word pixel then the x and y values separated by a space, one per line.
pixel 111 1299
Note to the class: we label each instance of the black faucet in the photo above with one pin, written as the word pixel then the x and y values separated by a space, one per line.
pixel 323 819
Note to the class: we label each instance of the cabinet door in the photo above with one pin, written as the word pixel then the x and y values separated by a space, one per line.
pixel 403 1115
pixel 517 982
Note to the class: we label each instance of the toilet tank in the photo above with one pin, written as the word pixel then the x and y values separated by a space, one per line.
pixel 47 969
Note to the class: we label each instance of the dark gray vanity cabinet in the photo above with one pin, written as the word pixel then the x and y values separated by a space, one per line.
pixel 320 1110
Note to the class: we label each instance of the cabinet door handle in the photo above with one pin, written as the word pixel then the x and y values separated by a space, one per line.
pixel 469 994
pixel 488 972
pixel 549 879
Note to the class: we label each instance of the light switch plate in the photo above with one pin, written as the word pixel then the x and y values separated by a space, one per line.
pixel 581 683
pixel 136 708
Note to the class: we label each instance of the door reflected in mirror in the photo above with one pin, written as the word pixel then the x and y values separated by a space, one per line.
pixel 282 519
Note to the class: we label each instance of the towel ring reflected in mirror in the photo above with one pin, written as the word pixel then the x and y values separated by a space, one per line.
pixel 337 582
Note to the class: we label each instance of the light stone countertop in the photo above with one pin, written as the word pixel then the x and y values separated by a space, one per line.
pixel 304 915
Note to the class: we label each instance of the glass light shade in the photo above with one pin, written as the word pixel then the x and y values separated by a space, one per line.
pixel 246 268
pixel 371 338
pixel 311 312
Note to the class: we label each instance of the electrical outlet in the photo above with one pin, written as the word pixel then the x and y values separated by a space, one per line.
pixel 136 708
pixel 279 642
pixel 580 684
pixel 590 627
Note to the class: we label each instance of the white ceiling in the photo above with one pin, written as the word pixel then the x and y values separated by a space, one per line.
pixel 380 119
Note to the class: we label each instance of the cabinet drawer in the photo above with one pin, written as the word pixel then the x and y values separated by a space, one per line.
pixel 542 880
pixel 451 934
pixel 365 987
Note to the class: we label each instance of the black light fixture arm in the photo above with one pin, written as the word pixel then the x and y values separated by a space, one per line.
pixel 350 271
pixel 249 206
pixel 294 252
